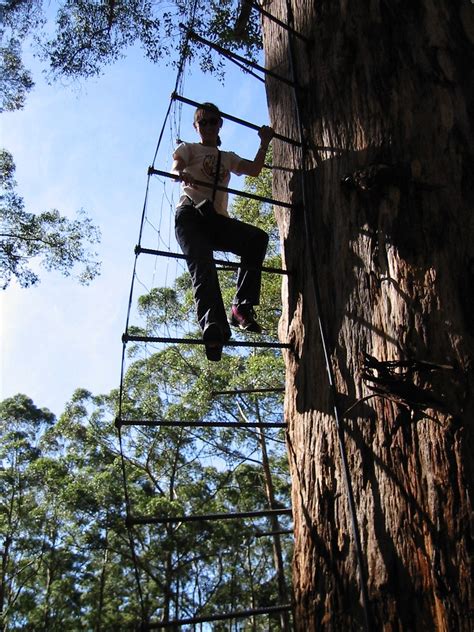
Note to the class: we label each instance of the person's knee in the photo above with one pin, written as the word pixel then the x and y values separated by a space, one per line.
pixel 255 247
pixel 261 241
pixel 200 265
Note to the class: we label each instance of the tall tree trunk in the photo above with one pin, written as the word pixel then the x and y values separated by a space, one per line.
pixel 49 545
pixel 381 83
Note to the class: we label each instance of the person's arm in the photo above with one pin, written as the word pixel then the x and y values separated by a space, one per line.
pixel 178 167
pixel 254 167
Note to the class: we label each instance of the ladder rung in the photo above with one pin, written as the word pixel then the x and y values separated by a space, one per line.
pixel 200 341
pixel 228 264
pixel 208 185
pixel 238 614
pixel 199 424
pixel 145 520
pixel 261 534
pixel 229 117
pixel 285 26
pixel 230 54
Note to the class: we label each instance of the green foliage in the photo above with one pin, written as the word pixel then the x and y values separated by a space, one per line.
pixel 260 213
pixel 15 80
pixel 87 36
pixel 90 34
pixel 60 519
pixel 18 19
pixel 50 239
pixel 63 518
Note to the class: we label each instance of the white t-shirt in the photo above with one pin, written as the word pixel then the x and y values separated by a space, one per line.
pixel 201 162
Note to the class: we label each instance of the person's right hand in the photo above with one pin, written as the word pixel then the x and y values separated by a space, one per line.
pixel 266 134
pixel 187 179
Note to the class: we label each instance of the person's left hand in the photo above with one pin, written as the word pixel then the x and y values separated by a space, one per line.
pixel 266 134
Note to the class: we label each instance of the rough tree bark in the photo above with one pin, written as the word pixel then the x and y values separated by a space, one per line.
pixel 384 83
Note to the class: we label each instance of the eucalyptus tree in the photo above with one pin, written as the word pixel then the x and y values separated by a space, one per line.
pixel 62 554
pixel 78 39
pixel 92 503
pixel 23 526
pixel 17 21
pixel 382 251
pixel 189 471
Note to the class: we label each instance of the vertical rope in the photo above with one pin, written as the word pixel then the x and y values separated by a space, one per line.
pixel 324 338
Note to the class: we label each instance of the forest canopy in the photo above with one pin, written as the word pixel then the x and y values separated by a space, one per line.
pixel 78 39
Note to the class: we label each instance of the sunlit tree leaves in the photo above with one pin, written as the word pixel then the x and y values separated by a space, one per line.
pixel 48 239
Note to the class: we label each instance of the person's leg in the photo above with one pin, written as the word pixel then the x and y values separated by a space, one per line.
pixel 250 243
pixel 192 233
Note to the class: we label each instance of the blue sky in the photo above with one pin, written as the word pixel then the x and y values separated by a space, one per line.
pixel 88 145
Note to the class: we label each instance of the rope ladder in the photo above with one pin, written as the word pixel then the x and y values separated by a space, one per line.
pixel 130 336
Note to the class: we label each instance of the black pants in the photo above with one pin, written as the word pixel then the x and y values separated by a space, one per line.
pixel 198 238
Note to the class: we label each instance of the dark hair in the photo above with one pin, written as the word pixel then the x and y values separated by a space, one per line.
pixel 209 107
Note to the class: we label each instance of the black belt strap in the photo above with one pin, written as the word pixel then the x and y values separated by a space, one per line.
pixel 216 179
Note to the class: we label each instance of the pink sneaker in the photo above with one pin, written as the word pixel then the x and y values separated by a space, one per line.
pixel 243 317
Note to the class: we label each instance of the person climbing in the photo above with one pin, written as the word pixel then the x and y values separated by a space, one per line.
pixel 203 225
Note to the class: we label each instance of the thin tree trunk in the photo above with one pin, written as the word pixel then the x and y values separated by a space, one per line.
pixel 7 542
pixel 170 596
pixel 3 583
pixel 275 525
pixel 252 586
pixel 385 84
pixel 50 574
pixel 103 577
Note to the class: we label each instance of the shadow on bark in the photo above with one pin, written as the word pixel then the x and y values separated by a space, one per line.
pixel 418 386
